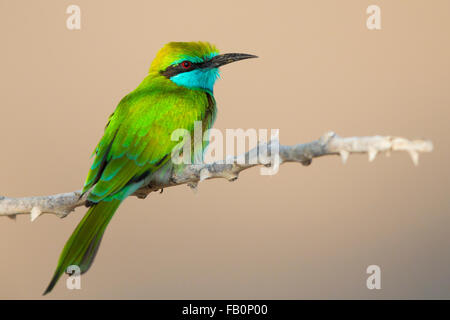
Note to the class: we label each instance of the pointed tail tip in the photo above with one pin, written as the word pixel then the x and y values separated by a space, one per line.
pixel 47 291
pixel 51 285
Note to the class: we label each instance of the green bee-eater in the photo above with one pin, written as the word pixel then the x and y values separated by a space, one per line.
pixel 137 140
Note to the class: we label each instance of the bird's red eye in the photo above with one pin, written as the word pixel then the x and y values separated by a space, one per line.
pixel 186 64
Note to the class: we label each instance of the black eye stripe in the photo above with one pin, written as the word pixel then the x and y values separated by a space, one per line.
pixel 173 70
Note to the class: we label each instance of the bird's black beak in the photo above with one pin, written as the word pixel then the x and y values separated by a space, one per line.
pixel 226 58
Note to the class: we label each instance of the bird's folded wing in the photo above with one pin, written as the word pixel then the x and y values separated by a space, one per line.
pixel 134 144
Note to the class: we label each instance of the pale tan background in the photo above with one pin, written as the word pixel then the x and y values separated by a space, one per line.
pixel 304 233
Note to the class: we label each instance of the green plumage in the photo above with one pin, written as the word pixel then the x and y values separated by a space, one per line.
pixel 82 246
pixel 137 137
pixel 137 140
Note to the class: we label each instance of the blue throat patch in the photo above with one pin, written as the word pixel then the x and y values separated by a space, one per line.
pixel 197 78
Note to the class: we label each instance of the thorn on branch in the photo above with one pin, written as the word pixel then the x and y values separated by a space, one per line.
pixel 372 154
pixel 414 156
pixel 325 139
pixel 204 174
pixel 344 155
pixel 35 213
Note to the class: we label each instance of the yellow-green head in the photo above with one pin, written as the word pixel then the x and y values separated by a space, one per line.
pixel 192 64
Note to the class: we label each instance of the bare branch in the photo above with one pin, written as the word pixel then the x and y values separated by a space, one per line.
pixel 329 144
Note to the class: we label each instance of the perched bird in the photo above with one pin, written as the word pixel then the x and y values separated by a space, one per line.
pixel 137 140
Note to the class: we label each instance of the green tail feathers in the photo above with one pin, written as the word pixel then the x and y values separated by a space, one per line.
pixel 83 244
